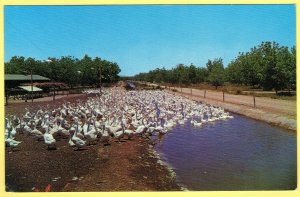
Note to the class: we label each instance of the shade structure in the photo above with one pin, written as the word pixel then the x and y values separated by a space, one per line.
pixel 28 88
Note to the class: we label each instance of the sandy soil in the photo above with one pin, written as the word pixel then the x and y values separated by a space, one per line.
pixel 285 107
pixel 127 166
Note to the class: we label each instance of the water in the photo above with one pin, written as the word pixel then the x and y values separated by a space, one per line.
pixel 235 154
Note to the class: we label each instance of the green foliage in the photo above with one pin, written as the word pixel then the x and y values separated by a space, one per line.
pixel 269 66
pixel 216 72
pixel 181 74
pixel 67 69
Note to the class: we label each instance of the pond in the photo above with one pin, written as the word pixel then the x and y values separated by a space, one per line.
pixel 234 154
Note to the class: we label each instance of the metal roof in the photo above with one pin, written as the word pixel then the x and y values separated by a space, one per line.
pixel 13 77
pixel 28 88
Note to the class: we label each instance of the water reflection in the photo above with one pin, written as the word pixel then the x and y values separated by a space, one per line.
pixel 236 154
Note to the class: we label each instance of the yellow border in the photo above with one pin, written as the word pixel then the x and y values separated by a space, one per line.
pixel 110 2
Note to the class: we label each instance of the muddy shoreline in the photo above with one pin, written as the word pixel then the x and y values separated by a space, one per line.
pixel 131 165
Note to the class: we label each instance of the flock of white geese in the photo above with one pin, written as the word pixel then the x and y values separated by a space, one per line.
pixel 114 115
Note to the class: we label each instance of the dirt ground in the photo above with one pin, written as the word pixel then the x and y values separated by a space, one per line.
pixel 280 113
pixel 285 107
pixel 127 166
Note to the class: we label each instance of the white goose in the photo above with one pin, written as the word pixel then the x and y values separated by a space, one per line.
pixel 71 131
pixel 13 132
pixel 11 142
pixel 118 135
pixel 36 133
pixel 90 135
pixel 49 139
pixel 105 136
pixel 195 123
pixel 79 143
pixel 127 132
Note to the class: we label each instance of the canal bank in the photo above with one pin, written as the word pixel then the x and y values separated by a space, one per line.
pixel 269 117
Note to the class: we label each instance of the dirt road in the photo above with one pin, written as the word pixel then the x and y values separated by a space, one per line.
pixel 280 113
pixel 283 107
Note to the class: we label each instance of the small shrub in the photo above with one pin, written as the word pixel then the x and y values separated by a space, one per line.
pixel 238 92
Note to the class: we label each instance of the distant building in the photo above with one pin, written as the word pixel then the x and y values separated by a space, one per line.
pixel 130 86
pixel 17 85
pixel 14 81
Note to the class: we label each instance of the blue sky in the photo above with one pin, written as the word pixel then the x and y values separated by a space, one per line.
pixel 140 38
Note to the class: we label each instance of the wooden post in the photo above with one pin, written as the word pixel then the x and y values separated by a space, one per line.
pixel 31 85
pixel 204 93
pixel 254 100
pixel 6 98
pixel 223 97
pixel 54 93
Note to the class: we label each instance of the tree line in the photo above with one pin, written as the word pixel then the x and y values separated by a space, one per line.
pixel 66 69
pixel 268 66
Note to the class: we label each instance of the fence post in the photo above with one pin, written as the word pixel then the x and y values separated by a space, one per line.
pixel 204 93
pixel 254 100
pixel 223 96
pixel 6 97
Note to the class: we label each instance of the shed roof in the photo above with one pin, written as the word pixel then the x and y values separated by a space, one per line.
pixel 28 88
pixel 13 77
pixel 48 84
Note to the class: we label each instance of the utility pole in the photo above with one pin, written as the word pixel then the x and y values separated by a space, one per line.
pixel 100 75
pixel 31 85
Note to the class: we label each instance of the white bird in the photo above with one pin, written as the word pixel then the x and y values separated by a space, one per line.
pixel 118 135
pixel 13 132
pixel 49 139
pixel 11 142
pixel 127 132
pixel 90 135
pixel 71 131
pixel 105 135
pixel 79 143
pixel 35 132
